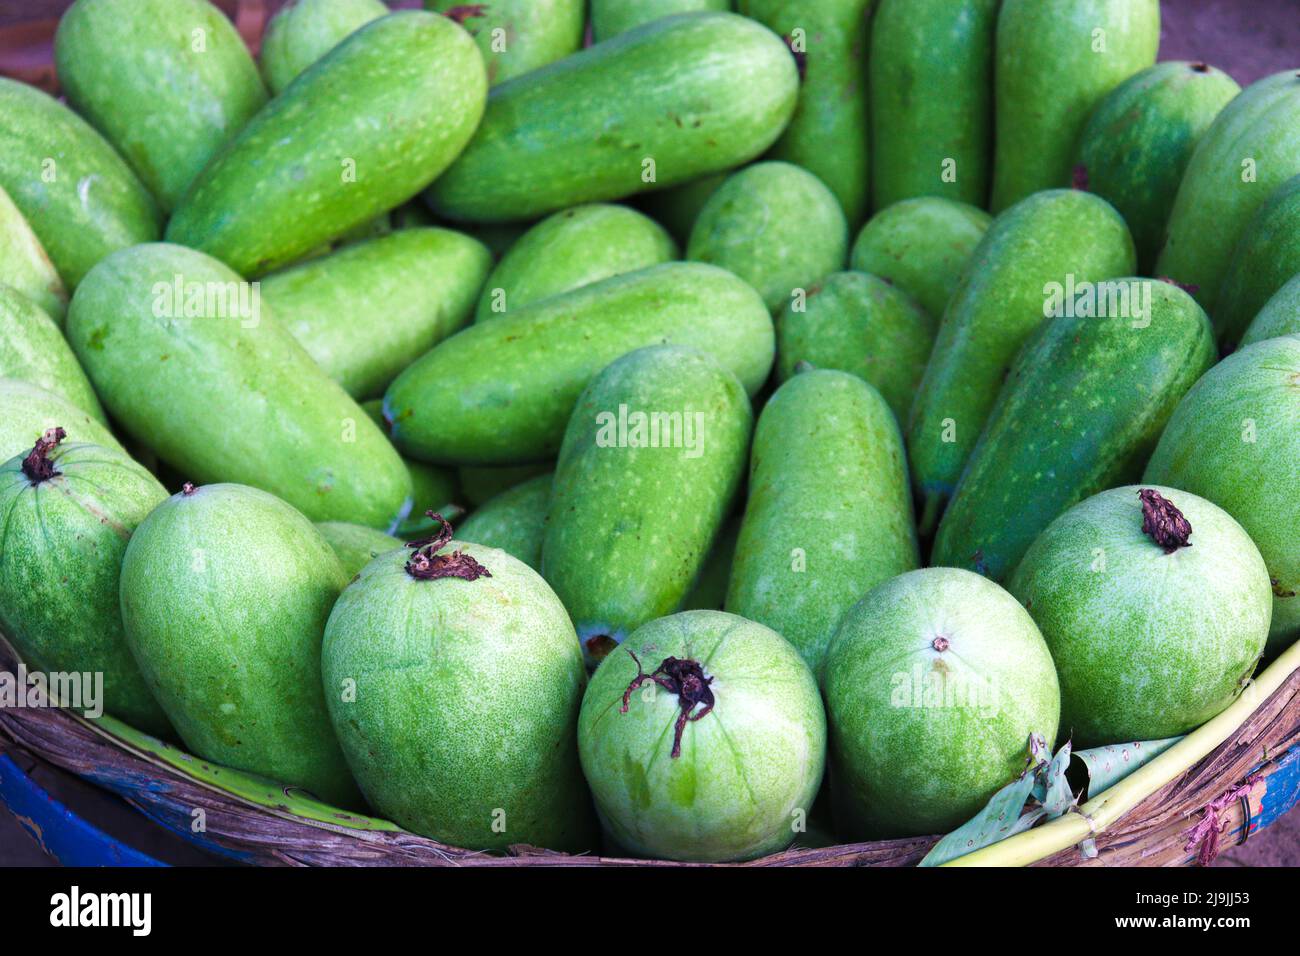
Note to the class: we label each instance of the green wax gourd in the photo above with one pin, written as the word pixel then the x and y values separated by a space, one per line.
pixel 193 364
pixel 931 86
pixel 829 514
pixel 168 83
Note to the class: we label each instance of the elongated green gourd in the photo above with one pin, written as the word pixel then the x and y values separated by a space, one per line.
pixel 454 682
pixel 1056 60
pixel 829 514
pixel 652 459
pixel 68 511
pixel 1137 144
pixel 1250 150
pixel 34 350
pixel 828 134
pixel 932 99
pixel 663 104
pixel 361 131
pixel 1266 256
pixel 1032 254
pixel 514 521
pixel 571 249
pixel 79 196
pixel 190 362
pixel 1235 439
pixel 481 483
pixel 24 266
pixel 167 82
pixel 922 246
pixel 776 226
pixel 519 36
pixel 609 18
pixel 1080 412
pixel 27 411
pixel 366 312
pixel 861 324
pixel 225 593
pixel 303 31
pixel 500 392
pixel 355 545
pixel 1280 315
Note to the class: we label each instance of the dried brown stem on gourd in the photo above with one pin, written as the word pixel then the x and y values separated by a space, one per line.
pixel 1164 523
pixel 37 465
pixel 426 564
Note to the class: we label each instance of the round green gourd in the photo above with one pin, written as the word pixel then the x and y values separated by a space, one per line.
pixel 225 592
pixel 675 782
pixel 1153 633
pixel 933 685
pixel 519 36
pixel 454 680
pixel 1280 315
pixel 303 31
pixel 68 511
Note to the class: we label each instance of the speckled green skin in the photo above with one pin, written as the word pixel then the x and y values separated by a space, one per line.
pixel 829 514
pixel 1266 256
pixel 27 410
pixel 776 226
pixel 225 593
pixel 677 207
pixel 355 545
pixel 931 89
pixel 1140 138
pixel 433 488
pixel 536 32
pixel 697 93
pixel 828 134
pixel 749 770
pixel 922 246
pixel 482 483
pixel 24 266
pixel 366 312
pixel 709 592
pixel 131 67
pixel 1081 411
pixel 94 204
pixel 1235 440
pixel 227 398
pixel 1214 206
pixel 629 526
pixel 33 349
pixel 63 544
pixel 921 738
pixel 500 392
pixel 1050 76
pixel 1280 315
pixel 303 31
pixel 859 323
pixel 1148 645
pixel 998 304
pixel 571 249
pixel 399 99
pixel 609 18
pixel 513 521
pixel 466 703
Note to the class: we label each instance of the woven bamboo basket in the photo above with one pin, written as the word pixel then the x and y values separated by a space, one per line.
pixel 1232 776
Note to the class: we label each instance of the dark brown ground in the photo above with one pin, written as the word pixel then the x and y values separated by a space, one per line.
pixel 1247 38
